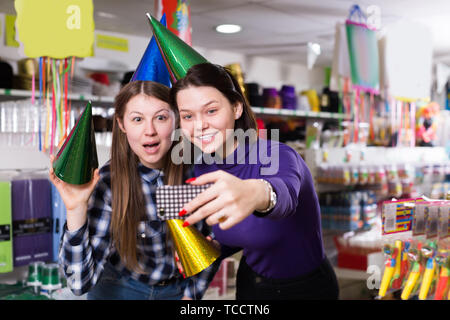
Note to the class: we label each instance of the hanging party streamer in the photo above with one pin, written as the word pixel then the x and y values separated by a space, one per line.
pixel 413 124
pixel 47 122
pixel 371 112
pixel 40 102
pixel 53 124
pixel 66 84
pixel 356 116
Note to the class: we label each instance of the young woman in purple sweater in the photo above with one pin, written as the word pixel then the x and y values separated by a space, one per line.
pixel 262 199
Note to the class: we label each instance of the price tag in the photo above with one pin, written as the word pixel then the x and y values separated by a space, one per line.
pixel 390 217
pixel 443 229
pixel 419 220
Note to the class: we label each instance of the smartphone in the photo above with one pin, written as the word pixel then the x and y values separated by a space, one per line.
pixel 171 199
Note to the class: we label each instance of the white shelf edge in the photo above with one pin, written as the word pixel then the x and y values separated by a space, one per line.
pixel 72 96
pixel 257 110
pixel 297 113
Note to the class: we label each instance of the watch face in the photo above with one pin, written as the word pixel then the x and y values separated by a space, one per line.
pixel 273 199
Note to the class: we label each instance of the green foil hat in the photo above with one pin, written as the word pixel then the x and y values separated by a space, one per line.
pixel 177 54
pixel 77 159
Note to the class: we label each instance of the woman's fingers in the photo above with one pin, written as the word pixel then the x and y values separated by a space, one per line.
pixel 225 203
pixel 229 222
pixel 200 200
pixel 205 211
pixel 211 177
pixel 219 216
pixel 53 178
pixel 95 178
pixel 178 263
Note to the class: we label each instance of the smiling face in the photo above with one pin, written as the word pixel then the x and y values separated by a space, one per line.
pixel 148 124
pixel 207 118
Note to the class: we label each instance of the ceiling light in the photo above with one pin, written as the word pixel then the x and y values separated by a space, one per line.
pixel 315 47
pixel 228 28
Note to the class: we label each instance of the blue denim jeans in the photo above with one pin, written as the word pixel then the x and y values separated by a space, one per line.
pixel 113 286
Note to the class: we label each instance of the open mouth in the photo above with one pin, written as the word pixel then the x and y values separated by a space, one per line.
pixel 151 145
pixel 151 148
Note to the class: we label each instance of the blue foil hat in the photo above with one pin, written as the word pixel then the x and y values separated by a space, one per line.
pixel 152 66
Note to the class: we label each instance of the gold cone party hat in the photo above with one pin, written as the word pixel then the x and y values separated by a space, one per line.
pixel 77 159
pixel 178 56
pixel 196 253
pixel 236 70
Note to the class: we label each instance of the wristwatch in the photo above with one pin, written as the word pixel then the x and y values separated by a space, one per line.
pixel 272 200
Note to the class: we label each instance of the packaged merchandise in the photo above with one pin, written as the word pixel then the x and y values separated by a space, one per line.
pixel 348 211
pixel 32 221
pixel 288 97
pixel 6 252
pixel 271 98
pixel 417 262
pixel 59 219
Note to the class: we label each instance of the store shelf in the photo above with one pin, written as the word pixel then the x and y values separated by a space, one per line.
pixel 8 94
pixel 298 113
pixel 30 158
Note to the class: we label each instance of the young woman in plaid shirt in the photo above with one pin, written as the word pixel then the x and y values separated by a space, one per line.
pixel 114 246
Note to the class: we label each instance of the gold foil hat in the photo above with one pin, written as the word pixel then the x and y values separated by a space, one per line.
pixel 196 253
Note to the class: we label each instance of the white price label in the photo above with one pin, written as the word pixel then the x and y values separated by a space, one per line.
pixel 390 217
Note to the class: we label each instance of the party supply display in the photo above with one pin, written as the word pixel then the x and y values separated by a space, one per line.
pixel 348 211
pixel 32 221
pixel 417 262
pixel 388 180
pixel 6 252
pixel 178 55
pixel 152 67
pixel 77 159
pixel 397 215
pixel 43 278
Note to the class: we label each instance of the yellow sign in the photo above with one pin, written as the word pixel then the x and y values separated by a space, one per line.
pixel 112 43
pixel 55 28
pixel 10 31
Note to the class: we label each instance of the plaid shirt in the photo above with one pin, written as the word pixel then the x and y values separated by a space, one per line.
pixel 84 252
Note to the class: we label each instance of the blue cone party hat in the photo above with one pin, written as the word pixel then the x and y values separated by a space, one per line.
pixel 152 66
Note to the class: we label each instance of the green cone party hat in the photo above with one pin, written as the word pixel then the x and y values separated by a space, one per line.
pixel 177 54
pixel 77 159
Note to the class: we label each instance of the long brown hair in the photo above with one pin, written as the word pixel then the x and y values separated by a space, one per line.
pixel 213 75
pixel 128 202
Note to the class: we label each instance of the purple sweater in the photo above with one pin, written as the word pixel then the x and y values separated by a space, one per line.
pixel 287 242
